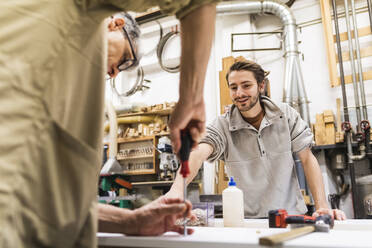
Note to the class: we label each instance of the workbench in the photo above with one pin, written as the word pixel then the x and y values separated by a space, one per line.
pixel 349 233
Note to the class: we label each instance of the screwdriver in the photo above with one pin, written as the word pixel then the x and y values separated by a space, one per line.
pixel 184 154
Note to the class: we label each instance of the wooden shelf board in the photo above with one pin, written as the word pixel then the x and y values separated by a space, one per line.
pixel 361 32
pixel 128 140
pixel 157 183
pixel 142 138
pixel 157 112
pixel 162 134
pixel 139 172
pixel 348 78
pixel 364 52
pixel 136 157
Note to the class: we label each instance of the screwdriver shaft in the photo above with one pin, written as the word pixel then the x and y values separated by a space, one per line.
pixel 184 200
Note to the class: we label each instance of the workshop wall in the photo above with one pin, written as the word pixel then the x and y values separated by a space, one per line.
pixel 164 86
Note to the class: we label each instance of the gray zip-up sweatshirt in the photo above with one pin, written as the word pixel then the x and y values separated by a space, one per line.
pixel 261 161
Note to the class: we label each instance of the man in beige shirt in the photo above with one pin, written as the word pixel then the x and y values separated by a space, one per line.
pixel 53 60
pixel 123 40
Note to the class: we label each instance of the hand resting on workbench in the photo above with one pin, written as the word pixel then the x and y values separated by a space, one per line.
pixel 153 219
pixel 336 214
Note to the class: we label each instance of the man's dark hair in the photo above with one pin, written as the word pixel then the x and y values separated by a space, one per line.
pixel 247 65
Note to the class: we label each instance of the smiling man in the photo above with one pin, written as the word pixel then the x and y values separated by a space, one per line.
pixel 256 138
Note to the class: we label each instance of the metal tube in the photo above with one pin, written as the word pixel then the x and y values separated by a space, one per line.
pixel 350 161
pixel 302 97
pixel 340 62
pixel 287 89
pixel 370 13
pixel 184 201
pixel 352 62
pixel 351 172
pixel 359 62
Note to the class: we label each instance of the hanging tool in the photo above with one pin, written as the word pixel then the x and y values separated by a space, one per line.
pixel 280 219
pixel 184 154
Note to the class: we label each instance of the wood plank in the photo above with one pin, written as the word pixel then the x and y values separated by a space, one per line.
pixel 330 46
pixel 225 98
pixel 339 133
pixel 328 116
pixel 329 127
pixel 222 178
pixel 227 62
pixel 330 134
pixel 338 114
pixel 126 140
pixel 140 172
pixel 364 31
pixel 319 130
pixel 364 52
pixel 348 78
pixel 155 112
pixel 118 157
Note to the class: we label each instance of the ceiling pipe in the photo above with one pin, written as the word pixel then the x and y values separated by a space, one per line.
pixel 294 91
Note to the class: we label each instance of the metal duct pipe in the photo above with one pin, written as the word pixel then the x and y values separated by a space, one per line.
pixel 352 62
pixel 359 62
pixel 293 74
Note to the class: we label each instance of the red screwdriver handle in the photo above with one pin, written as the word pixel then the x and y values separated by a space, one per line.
pixel 184 153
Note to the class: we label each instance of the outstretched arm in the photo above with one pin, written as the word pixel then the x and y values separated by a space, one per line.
pixel 315 181
pixel 197 157
pixel 197 32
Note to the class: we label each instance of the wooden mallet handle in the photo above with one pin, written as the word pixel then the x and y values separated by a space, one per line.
pixel 284 236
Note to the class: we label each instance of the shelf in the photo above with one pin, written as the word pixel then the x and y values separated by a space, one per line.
pixel 139 172
pixel 142 138
pixel 134 157
pixel 156 112
pixel 127 140
pixel 116 198
pixel 334 146
pixel 163 134
pixel 153 183
pixel 156 183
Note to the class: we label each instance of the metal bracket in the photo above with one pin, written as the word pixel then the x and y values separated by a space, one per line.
pixel 255 49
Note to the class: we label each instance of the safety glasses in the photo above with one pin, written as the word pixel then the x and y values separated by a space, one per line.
pixel 128 63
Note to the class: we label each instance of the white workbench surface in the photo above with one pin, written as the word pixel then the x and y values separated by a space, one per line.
pixel 350 233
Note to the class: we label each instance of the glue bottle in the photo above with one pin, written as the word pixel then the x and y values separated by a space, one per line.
pixel 233 206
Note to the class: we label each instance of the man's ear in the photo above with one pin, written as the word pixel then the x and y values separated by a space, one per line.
pixel 119 22
pixel 116 23
pixel 261 87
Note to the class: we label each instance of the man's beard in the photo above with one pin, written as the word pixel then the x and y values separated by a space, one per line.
pixel 252 101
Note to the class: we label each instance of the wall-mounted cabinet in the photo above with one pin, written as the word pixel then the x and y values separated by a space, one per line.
pixel 138 156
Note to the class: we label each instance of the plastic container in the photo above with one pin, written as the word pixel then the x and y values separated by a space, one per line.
pixel 204 212
pixel 233 206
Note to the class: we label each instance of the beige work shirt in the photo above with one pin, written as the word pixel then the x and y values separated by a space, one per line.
pixel 52 65
pixel 261 160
